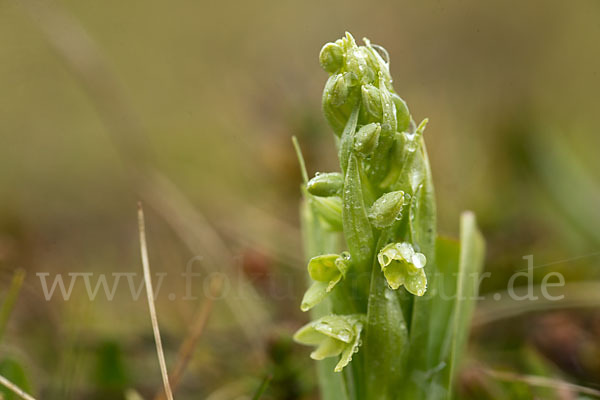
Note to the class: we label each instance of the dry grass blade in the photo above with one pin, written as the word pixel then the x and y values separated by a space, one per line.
pixel 197 234
pixel 189 344
pixel 150 295
pixel 541 381
pixel 15 389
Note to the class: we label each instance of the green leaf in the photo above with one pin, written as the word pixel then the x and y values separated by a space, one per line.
pixel 357 229
pixel 422 228
pixel 472 250
pixel 347 140
pixel 459 267
pixel 386 338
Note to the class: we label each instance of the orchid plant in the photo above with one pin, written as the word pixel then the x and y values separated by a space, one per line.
pixel 390 302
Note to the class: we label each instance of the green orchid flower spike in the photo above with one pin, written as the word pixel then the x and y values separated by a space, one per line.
pixel 376 268
pixel 333 335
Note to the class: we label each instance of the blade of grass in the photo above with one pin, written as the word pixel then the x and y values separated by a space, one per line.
pixel 150 297
pixel 263 386
pixel 578 194
pixel 15 389
pixel 533 380
pixel 11 298
pixel 472 247
pixel 300 159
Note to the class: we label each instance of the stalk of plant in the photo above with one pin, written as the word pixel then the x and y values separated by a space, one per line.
pixel 390 302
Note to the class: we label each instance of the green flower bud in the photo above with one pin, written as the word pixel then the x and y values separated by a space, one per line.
pixel 334 116
pixel 402 113
pixel 386 209
pixel 367 138
pixel 339 91
pixel 371 99
pixel 333 335
pixel 329 209
pixel 325 185
pixel 379 58
pixel 402 265
pixel 331 57
pixel 356 64
pixel 327 271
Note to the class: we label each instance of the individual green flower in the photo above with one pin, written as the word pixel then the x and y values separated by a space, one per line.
pixel 326 271
pixel 333 335
pixel 402 265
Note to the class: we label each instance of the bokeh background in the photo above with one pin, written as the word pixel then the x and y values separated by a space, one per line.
pixel 189 106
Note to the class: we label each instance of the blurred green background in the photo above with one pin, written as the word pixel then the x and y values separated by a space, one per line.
pixel 190 106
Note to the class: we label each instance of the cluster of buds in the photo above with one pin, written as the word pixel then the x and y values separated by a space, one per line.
pixel 375 198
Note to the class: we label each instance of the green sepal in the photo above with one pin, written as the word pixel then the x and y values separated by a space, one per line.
pixel 402 265
pixel 314 295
